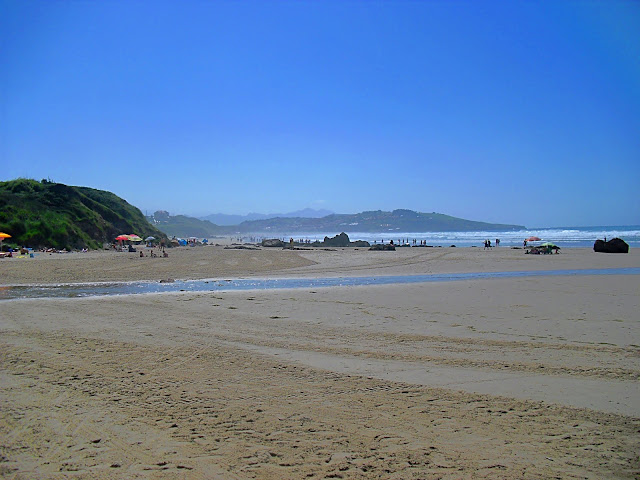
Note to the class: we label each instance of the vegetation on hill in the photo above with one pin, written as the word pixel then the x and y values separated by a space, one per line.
pixel 373 221
pixel 183 226
pixel 47 214
pixel 225 220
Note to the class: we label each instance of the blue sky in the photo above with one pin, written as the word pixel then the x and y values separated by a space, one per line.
pixel 514 112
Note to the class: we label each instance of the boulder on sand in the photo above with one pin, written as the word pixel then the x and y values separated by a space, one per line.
pixel 382 246
pixel 341 240
pixel 272 242
pixel 615 245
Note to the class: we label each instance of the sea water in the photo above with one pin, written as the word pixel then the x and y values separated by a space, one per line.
pixel 564 237
pixel 70 290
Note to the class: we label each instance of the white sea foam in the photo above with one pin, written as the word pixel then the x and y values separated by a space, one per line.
pixel 564 237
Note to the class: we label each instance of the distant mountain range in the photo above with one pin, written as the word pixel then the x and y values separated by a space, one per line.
pixel 373 222
pixel 52 214
pixel 223 219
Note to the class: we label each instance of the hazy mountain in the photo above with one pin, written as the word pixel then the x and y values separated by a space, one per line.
pixel 372 221
pixel 225 220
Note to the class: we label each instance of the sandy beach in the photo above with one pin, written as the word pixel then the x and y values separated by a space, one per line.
pixel 530 377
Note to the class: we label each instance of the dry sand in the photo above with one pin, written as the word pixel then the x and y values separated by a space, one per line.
pixel 533 377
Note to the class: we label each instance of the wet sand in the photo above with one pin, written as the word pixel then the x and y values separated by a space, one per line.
pixel 496 378
pixel 218 262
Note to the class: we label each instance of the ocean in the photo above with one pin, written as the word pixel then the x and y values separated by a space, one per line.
pixel 564 237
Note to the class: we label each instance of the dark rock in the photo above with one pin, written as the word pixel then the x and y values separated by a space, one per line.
pixel 615 245
pixel 273 242
pixel 360 243
pixel 381 246
pixel 341 240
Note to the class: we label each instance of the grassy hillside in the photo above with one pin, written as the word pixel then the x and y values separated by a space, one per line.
pixel 183 226
pixel 374 221
pixel 47 214
pixel 371 221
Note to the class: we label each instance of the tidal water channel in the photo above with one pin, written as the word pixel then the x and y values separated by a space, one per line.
pixel 70 290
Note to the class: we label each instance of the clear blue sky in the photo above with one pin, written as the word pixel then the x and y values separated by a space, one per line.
pixel 515 112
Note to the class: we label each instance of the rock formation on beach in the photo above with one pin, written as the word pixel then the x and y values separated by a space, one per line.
pixel 272 242
pixel 382 246
pixel 615 245
pixel 340 240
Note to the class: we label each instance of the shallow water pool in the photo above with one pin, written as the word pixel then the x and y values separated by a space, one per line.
pixel 70 290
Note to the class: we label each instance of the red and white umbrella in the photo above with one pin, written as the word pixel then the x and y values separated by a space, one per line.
pixel 533 239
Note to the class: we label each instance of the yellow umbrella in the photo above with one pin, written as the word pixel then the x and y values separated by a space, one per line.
pixel 2 237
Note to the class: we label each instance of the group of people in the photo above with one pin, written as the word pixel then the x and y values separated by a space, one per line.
pixel 403 241
pixel 487 243
pixel 152 254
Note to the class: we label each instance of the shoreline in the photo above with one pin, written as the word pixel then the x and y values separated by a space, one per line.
pixel 194 263
pixel 216 285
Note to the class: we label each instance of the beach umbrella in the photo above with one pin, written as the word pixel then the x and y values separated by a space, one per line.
pixel 135 238
pixel 549 244
pixel 122 238
pixel 148 239
pixel 533 239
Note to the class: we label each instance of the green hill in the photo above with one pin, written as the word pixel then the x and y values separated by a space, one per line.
pixel 184 226
pixel 377 221
pixel 48 214
pixel 373 221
